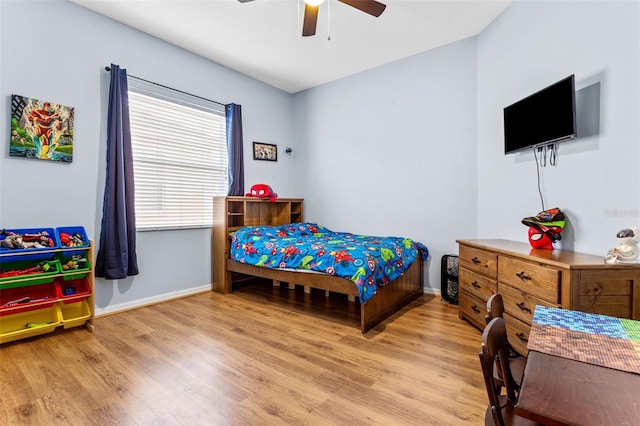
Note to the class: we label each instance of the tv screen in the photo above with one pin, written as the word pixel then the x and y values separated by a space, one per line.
pixel 544 117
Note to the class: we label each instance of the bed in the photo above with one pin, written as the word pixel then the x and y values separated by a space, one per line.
pixel 244 215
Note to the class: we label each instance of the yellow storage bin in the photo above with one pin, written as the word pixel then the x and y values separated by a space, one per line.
pixel 75 314
pixel 29 324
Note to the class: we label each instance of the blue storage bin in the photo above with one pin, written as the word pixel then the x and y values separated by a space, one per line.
pixel 79 236
pixel 51 235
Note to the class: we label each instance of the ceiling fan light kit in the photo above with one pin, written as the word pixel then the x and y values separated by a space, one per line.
pixel 310 21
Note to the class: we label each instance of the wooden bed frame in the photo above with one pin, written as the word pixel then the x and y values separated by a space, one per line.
pixel 231 213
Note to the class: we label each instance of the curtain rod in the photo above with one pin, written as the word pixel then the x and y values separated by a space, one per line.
pixel 107 68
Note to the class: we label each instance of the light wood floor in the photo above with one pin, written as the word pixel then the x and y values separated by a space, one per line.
pixel 258 356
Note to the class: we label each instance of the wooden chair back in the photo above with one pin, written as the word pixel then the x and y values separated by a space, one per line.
pixel 495 307
pixel 495 349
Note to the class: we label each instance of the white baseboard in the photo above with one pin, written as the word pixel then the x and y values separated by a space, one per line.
pixel 112 309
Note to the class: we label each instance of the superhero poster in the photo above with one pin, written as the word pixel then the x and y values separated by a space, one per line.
pixel 41 130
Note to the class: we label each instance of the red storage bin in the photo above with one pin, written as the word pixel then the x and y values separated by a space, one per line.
pixel 73 289
pixel 22 299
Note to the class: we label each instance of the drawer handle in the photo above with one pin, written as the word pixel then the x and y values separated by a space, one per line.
pixel 523 307
pixel 476 261
pixel 522 337
pixel 475 309
pixel 475 284
pixel 523 276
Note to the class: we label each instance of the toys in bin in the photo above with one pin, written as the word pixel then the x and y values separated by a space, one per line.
pixel 77 287
pixel 15 240
pixel 68 239
pixel 76 262
pixel 22 300
pixel 47 266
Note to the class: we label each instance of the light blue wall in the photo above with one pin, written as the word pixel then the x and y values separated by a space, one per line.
pixel 596 181
pixel 416 147
pixel 57 51
pixel 391 151
pixel 410 148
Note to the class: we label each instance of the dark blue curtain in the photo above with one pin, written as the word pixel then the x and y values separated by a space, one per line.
pixel 234 149
pixel 117 251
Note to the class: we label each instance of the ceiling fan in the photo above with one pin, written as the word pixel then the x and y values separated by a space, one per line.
pixel 310 21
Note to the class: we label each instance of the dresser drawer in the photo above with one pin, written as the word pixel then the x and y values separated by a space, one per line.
pixel 480 261
pixel 476 284
pixel 518 334
pixel 540 281
pixel 472 309
pixel 519 303
pixel 607 293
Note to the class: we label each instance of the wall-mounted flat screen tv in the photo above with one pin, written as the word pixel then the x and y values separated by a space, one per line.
pixel 544 117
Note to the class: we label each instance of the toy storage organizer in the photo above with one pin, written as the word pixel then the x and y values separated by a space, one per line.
pixel 42 295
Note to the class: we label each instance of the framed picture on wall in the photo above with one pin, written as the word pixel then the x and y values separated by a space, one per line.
pixel 265 151
pixel 41 130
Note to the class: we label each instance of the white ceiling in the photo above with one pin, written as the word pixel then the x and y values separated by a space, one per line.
pixel 262 38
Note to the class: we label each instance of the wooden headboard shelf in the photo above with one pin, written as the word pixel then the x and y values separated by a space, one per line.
pixel 232 213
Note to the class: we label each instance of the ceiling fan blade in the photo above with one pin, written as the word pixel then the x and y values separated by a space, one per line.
pixel 244 1
pixel 310 20
pixel 371 7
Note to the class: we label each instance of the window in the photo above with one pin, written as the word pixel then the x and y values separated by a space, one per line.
pixel 179 157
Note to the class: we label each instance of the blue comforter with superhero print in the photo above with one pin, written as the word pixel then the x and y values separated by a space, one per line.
pixel 370 262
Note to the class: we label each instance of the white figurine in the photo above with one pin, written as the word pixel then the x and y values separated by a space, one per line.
pixel 628 250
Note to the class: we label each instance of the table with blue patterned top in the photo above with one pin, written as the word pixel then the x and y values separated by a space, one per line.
pixel 582 369
pixel 595 339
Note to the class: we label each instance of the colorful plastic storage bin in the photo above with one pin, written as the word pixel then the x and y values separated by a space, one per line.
pixel 36 294
pixel 51 234
pixel 31 269
pixel 23 299
pixel 29 324
pixel 75 314
pixel 72 236
pixel 73 289
pixel 74 264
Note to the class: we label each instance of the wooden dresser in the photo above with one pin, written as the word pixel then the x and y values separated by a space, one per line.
pixel 528 277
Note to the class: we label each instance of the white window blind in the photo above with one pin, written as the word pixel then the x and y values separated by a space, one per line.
pixel 179 157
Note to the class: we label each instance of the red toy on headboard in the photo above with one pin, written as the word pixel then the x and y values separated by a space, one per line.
pixel 261 190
